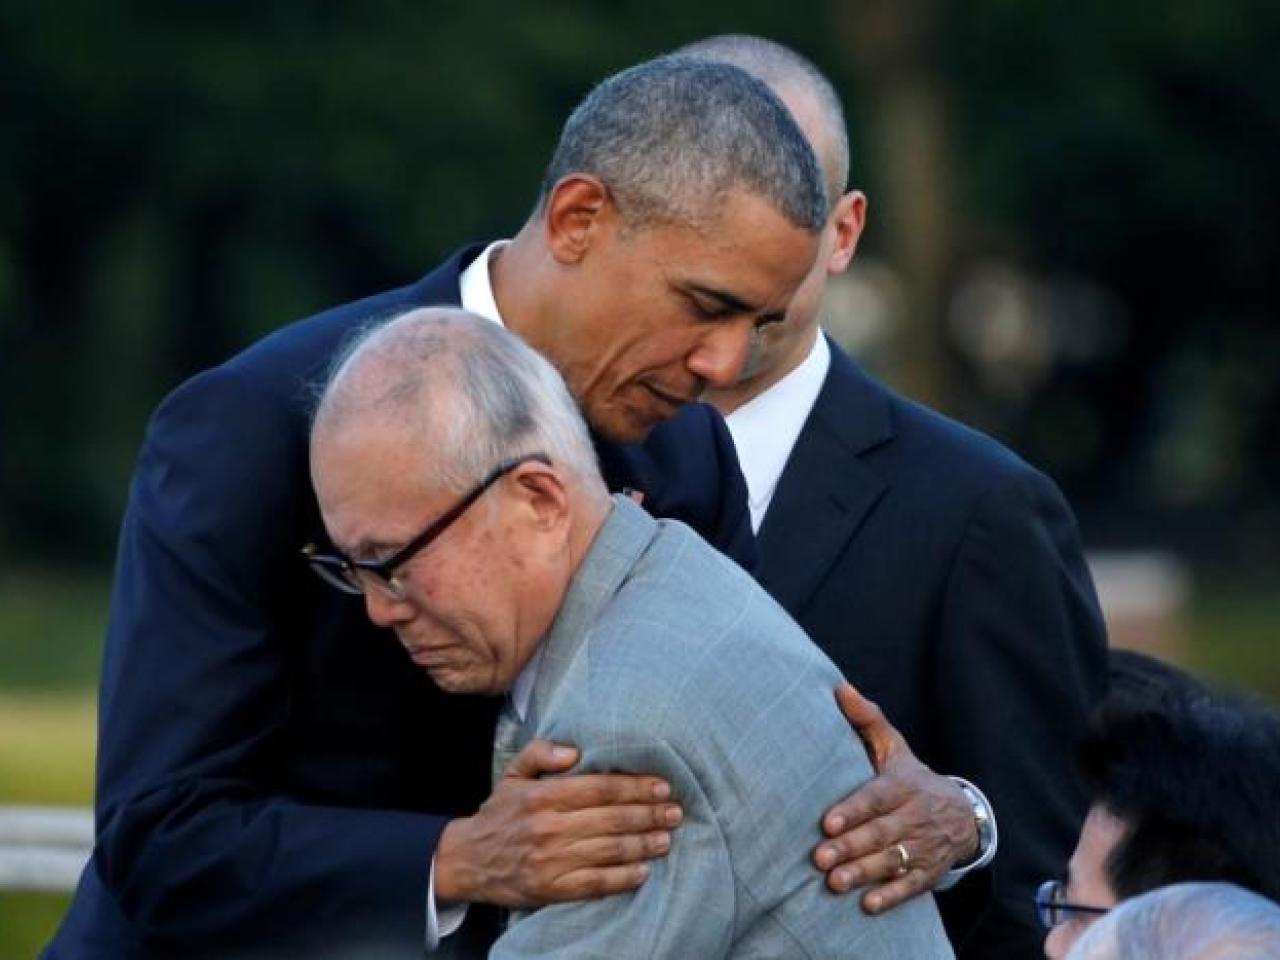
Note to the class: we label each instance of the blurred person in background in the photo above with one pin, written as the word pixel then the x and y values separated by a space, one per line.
pixel 942 574
pixel 1186 921
pixel 1183 787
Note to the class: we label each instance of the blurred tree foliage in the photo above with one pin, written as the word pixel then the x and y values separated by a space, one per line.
pixel 1139 146
pixel 177 179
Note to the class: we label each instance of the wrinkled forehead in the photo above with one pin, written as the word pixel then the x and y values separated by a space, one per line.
pixel 362 461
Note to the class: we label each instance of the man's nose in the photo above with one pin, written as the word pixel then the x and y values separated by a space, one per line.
pixel 721 353
pixel 384 610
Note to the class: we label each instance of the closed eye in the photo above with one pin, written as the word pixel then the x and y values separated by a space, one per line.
pixel 712 304
pixel 705 310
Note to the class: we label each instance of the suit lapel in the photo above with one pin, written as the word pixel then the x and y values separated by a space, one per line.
pixel 826 489
pixel 608 562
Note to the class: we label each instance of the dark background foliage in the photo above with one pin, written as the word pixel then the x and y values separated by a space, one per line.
pixel 177 179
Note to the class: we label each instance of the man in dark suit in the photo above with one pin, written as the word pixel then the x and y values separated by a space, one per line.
pixel 275 777
pixel 942 574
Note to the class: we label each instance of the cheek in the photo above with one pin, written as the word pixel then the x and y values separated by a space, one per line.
pixel 669 350
pixel 1060 939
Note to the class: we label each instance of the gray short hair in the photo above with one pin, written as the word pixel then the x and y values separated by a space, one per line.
pixel 672 136
pixel 782 67
pixel 472 392
pixel 1186 921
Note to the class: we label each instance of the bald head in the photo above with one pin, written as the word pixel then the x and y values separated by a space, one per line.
pixel 1186 921
pixel 458 386
pixel 800 85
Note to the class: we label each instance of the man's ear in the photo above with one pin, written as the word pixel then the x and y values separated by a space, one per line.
pixel 573 214
pixel 848 218
pixel 544 496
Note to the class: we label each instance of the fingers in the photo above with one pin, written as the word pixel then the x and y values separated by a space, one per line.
pixel 878 735
pixel 591 883
pixel 857 709
pixel 520 850
pixel 540 757
pixel 616 821
pixel 883 866
pixel 582 791
pixel 874 799
pixel 900 890
pixel 912 808
pixel 618 850
pixel 861 855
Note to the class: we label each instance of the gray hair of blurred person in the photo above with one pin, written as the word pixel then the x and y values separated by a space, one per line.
pixel 470 391
pixel 671 137
pixel 782 68
pixel 1186 921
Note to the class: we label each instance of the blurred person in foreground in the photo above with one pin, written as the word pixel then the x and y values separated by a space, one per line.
pixel 943 575
pixel 1186 921
pixel 275 777
pixel 1183 787
pixel 624 635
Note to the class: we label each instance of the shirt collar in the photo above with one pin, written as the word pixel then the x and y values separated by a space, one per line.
pixel 522 690
pixel 476 286
pixel 765 428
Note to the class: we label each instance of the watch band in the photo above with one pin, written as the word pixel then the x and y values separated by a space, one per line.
pixel 984 820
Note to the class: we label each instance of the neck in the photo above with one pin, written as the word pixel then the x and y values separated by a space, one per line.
pixel 594 513
pixel 515 272
pixel 729 399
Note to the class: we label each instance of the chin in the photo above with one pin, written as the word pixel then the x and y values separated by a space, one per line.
pixel 452 681
pixel 629 429
pixel 462 682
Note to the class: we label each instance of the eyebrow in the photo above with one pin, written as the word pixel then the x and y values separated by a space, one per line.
pixel 726 299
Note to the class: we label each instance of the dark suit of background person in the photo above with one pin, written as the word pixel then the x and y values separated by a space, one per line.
pixel 258 736
pixel 944 576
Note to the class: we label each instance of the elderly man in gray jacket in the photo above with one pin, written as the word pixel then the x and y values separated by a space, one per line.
pixel 626 636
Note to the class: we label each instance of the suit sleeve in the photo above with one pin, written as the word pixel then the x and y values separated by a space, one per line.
pixel 685 907
pixel 1022 660
pixel 199 852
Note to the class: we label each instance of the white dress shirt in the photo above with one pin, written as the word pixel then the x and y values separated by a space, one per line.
pixel 765 428
pixel 476 286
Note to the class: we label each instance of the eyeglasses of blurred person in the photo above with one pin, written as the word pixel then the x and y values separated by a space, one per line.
pixel 1053 908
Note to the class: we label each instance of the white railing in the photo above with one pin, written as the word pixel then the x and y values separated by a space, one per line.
pixel 43 848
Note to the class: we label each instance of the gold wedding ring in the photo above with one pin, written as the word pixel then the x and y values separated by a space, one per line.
pixel 904 860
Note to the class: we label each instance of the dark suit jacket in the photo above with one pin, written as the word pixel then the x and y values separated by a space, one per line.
pixel 273 771
pixel 944 577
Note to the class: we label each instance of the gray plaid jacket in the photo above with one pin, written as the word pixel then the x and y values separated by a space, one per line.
pixel 667 658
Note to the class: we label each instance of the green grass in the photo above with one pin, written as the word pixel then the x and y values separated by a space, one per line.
pixel 46 756
pixel 27 921
pixel 46 748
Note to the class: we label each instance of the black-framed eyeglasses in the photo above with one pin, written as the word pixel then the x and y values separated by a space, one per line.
pixel 354 576
pixel 1053 909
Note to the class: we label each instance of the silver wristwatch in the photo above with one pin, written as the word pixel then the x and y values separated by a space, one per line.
pixel 984 820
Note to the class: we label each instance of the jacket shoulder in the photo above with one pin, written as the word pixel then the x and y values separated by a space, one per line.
pixel 928 448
